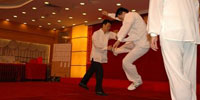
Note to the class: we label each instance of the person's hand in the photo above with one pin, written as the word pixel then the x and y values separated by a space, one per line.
pixel 116 44
pixel 115 31
pixel 105 13
pixel 110 47
pixel 154 44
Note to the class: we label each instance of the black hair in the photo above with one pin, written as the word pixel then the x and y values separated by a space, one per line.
pixel 120 11
pixel 106 21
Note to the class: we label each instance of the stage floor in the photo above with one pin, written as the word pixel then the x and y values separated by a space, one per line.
pixel 68 89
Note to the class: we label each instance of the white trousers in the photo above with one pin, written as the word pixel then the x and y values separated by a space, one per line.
pixel 129 68
pixel 125 48
pixel 180 64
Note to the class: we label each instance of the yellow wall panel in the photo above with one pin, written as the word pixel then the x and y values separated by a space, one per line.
pixel 79 31
pixel 79 44
pixel 77 71
pixel 79 51
pixel 79 58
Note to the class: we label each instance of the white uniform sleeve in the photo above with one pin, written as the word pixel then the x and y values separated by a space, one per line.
pixel 129 38
pixel 126 26
pixel 153 34
pixel 197 7
pixel 112 15
pixel 112 35
pixel 97 42
pixel 155 16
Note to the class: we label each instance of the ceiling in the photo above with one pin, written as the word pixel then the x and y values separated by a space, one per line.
pixel 10 4
pixel 60 18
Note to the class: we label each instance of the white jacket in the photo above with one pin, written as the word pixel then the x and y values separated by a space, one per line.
pixel 100 44
pixel 134 26
pixel 174 19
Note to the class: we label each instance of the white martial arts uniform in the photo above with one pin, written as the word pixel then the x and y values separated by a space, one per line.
pixel 176 21
pixel 134 26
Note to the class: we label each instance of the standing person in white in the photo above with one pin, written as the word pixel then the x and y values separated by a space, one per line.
pixel 98 56
pixel 134 26
pixel 176 21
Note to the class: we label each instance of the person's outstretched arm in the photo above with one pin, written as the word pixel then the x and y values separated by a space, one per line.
pixel 110 15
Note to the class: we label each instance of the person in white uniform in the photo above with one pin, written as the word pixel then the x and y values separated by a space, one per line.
pixel 134 26
pixel 176 21
pixel 98 56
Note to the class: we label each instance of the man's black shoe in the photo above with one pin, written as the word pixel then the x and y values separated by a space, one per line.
pixel 101 93
pixel 83 86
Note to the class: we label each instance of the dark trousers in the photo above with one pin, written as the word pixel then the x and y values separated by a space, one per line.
pixel 97 68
